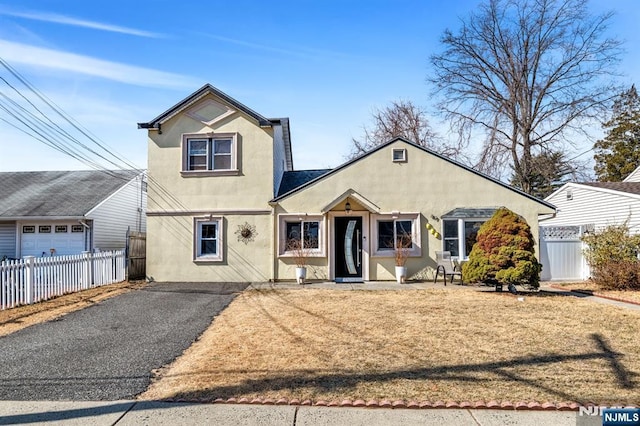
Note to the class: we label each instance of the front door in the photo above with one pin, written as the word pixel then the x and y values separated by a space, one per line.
pixel 348 249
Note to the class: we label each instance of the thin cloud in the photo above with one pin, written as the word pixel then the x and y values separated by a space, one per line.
pixel 15 53
pixel 285 50
pixel 67 20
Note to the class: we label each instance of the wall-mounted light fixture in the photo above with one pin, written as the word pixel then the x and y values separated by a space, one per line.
pixel 395 214
pixel 347 207
pixel 434 217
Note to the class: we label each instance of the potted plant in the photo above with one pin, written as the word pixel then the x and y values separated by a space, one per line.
pixel 300 254
pixel 401 251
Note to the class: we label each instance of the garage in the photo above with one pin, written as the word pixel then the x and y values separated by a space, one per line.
pixel 52 238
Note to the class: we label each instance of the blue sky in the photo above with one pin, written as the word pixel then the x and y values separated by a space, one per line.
pixel 325 64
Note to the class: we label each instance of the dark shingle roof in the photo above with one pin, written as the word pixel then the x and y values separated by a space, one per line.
pixel 292 180
pixel 57 193
pixel 463 213
pixel 629 187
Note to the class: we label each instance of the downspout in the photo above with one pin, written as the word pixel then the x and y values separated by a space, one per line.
pixel 274 235
pixel 88 236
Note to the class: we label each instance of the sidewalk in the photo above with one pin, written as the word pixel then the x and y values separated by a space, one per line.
pixel 165 413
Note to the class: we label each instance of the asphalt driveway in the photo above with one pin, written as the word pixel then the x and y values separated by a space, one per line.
pixel 108 351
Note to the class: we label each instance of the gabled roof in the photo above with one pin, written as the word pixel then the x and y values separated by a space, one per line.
pixel 294 179
pixel 619 188
pixel 156 123
pixel 350 193
pixel 282 195
pixel 58 193
pixel 628 187
pixel 196 96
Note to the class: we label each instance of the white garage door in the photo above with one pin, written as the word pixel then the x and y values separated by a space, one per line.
pixel 38 239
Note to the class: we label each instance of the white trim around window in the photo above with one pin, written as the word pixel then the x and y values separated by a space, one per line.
pixel 399 155
pixel 394 223
pixel 453 229
pixel 310 226
pixel 209 154
pixel 208 242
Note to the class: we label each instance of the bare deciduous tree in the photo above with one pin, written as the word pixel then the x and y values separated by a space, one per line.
pixel 400 119
pixel 525 74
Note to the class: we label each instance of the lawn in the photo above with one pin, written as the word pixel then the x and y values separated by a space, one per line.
pixel 411 345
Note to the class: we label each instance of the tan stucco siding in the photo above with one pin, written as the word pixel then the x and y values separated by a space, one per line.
pixel 170 243
pixel 424 184
pixel 252 188
pixel 170 248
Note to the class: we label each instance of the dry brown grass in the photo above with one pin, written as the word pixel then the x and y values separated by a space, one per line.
pixel 412 345
pixel 12 320
pixel 631 295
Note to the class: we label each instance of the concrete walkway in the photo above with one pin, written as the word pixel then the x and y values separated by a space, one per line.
pixel 367 285
pixel 163 413
pixel 591 298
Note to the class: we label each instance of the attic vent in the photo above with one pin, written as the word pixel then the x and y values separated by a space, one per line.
pixel 569 194
pixel 399 155
pixel 209 112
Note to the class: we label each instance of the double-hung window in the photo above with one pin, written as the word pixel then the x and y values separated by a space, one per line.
pixel 214 154
pixel 396 230
pixel 208 239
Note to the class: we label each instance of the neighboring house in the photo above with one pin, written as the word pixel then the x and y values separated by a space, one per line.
pixel 585 207
pixel 225 200
pixel 68 212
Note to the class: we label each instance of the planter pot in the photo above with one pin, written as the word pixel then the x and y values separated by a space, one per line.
pixel 401 274
pixel 301 274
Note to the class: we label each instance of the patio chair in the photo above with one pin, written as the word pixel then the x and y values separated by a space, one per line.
pixel 446 267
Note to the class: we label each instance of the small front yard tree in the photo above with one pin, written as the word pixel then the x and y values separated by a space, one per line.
pixel 504 252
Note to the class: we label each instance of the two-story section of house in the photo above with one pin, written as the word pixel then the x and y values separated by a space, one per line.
pixel 225 202
pixel 213 166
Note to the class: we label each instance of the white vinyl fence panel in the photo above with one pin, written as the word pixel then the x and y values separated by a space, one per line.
pixel 33 279
pixel 561 253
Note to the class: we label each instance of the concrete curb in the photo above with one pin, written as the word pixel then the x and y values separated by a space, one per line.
pixel 400 404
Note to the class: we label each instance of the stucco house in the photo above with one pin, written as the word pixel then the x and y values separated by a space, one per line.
pixel 225 200
pixel 584 207
pixel 46 213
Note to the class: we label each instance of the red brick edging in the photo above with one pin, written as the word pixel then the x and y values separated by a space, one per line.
pixel 491 405
pixel 594 293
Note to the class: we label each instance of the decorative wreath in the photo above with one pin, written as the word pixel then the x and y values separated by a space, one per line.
pixel 246 232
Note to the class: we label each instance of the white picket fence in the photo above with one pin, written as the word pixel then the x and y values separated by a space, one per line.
pixel 33 279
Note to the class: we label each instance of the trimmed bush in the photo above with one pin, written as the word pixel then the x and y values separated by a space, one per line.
pixel 504 252
pixel 612 255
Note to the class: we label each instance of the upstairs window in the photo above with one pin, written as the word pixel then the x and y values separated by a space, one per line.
pixel 212 155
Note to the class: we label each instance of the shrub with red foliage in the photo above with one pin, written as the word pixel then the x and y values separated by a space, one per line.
pixel 504 252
